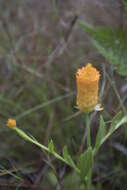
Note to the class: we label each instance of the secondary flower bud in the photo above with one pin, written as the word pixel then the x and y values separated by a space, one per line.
pixel 11 123
pixel 87 88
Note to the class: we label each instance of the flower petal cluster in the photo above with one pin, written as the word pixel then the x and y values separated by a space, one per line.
pixel 87 79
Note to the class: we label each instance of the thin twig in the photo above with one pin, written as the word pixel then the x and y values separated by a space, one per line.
pixel 112 82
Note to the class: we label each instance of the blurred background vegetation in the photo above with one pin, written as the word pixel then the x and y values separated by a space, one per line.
pixel 41 48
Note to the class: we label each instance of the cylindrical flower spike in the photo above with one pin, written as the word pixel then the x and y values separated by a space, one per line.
pixel 11 123
pixel 87 88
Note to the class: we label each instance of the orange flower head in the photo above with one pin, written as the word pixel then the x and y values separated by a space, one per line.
pixel 11 123
pixel 87 88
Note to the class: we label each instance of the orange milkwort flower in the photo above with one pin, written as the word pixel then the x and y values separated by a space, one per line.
pixel 87 88
pixel 11 123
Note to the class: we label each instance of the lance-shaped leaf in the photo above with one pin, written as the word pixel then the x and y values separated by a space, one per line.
pixel 115 127
pixel 68 159
pixel 51 146
pixel 114 121
pixel 85 162
pixel 100 134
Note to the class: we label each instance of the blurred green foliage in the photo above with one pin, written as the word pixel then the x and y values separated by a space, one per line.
pixel 112 44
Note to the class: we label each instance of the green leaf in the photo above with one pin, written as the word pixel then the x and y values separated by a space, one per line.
pixel 112 44
pixel 118 124
pixel 100 134
pixel 68 158
pixel 51 146
pixel 52 178
pixel 125 4
pixel 85 162
pixel 114 122
pixel 121 122
pixel 86 27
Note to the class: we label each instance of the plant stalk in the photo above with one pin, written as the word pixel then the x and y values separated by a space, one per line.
pixel 89 180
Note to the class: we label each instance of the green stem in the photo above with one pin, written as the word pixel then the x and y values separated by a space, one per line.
pixel 88 131
pixel 34 141
pixel 26 137
pixel 89 182
pixel 89 145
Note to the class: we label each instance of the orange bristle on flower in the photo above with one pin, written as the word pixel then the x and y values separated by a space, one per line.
pixel 87 88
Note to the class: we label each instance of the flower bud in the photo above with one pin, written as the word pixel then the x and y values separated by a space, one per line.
pixel 11 123
pixel 87 88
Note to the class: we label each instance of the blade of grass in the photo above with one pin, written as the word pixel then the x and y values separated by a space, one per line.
pixel 37 107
